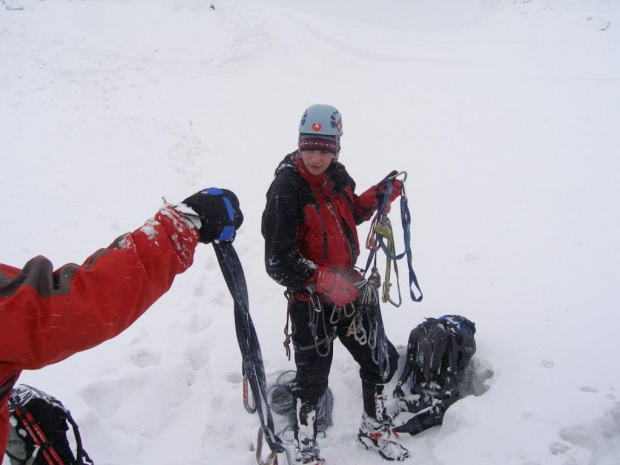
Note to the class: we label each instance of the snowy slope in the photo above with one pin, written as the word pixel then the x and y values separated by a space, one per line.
pixel 505 115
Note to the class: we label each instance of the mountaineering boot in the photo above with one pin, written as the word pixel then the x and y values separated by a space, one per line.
pixel 381 437
pixel 378 433
pixel 306 448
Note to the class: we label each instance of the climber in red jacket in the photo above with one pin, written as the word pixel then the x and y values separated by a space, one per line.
pixel 47 316
pixel 311 247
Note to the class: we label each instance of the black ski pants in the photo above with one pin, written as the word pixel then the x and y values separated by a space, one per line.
pixel 313 358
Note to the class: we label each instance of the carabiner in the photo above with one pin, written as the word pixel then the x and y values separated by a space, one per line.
pixel 394 176
pixel 272 457
pixel 246 397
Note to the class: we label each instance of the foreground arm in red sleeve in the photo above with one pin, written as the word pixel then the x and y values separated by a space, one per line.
pixel 47 316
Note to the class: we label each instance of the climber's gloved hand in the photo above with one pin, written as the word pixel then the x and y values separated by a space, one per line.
pixel 218 212
pixel 335 287
pixel 397 187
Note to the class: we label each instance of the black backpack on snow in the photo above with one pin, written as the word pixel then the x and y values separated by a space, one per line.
pixel 437 353
pixel 38 425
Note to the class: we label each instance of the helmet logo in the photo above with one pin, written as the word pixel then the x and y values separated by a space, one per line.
pixel 317 127
pixel 336 121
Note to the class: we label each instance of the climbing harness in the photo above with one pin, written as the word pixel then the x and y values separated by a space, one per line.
pixel 366 325
pixel 316 320
pixel 381 230
pixel 338 311
pixel 253 369
pixel 366 322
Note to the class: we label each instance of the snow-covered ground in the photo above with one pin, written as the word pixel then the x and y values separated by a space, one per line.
pixel 505 115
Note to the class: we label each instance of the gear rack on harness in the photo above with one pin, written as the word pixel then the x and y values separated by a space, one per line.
pixel 380 231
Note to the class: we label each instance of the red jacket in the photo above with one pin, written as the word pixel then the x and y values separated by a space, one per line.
pixel 310 221
pixel 47 316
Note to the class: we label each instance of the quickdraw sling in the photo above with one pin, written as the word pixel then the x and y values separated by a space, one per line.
pixel 381 230
pixel 252 366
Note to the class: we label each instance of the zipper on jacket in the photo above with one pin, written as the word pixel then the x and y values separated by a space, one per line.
pixel 330 207
pixel 323 229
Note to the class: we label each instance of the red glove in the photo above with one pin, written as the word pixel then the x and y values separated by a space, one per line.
pixel 372 198
pixel 397 187
pixel 335 287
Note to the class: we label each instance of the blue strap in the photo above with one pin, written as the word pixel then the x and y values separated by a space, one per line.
pixel 406 223
pixel 229 209
pixel 228 232
pixel 213 191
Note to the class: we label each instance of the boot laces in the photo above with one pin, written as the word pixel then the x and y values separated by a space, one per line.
pixel 385 434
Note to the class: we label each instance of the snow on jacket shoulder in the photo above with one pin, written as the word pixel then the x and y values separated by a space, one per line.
pixel 49 315
pixel 310 221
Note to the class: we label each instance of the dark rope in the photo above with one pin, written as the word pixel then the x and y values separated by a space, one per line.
pixel 252 359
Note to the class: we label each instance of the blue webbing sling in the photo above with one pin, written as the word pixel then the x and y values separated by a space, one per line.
pixel 406 222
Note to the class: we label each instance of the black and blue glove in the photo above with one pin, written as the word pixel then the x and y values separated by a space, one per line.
pixel 219 214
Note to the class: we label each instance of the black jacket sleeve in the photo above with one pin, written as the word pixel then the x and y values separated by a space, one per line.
pixel 282 218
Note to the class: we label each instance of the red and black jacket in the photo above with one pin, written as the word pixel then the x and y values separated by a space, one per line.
pixel 310 222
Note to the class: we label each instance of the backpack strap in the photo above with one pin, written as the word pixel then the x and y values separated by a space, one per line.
pixel 415 336
pixel 19 405
pixel 82 457
pixel 25 418
pixel 462 332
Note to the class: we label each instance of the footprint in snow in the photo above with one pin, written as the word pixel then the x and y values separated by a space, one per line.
pixel 594 442
pixel 145 358
pixel 588 389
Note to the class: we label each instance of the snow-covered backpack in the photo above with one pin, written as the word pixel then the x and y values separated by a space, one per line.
pixel 438 351
pixel 38 425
